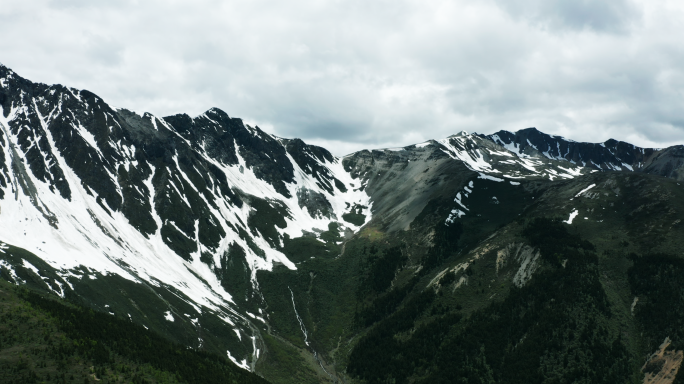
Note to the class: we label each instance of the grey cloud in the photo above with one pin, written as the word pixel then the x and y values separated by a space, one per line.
pixel 104 50
pixel 605 16
pixel 360 74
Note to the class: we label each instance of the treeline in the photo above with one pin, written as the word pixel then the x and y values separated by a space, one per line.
pixel 555 329
pixel 383 305
pixel 445 240
pixel 34 350
pixel 380 356
pixel 105 339
pixel 378 269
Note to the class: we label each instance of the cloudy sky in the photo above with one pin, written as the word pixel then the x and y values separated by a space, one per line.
pixel 369 74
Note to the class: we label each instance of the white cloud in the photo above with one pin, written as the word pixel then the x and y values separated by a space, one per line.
pixel 358 74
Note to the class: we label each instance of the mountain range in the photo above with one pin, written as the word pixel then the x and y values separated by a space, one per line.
pixel 510 257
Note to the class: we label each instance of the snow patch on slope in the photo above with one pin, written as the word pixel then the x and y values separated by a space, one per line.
pixel 85 236
pixel 457 213
pixel 584 190
pixel 168 316
pixel 573 214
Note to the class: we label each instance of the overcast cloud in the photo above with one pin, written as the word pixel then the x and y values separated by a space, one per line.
pixel 366 74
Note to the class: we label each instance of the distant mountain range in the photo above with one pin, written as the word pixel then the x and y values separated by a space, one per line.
pixel 291 261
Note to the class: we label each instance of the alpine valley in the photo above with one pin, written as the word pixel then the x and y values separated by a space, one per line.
pixel 145 249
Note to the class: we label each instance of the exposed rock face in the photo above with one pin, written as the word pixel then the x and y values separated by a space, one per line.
pixel 663 365
pixel 611 155
pixel 668 162
pixel 525 256
pixel 309 158
pixel 316 203
pixel 401 183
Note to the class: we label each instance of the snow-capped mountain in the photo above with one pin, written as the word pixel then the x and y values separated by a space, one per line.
pixel 612 155
pixel 401 181
pixel 157 200
pixel 109 205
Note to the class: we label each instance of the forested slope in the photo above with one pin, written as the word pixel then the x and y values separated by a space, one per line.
pixel 571 282
pixel 44 339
